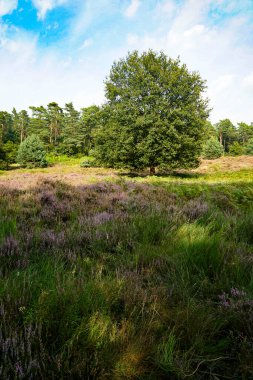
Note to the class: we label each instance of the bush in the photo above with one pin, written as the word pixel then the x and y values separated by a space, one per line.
pixel 236 149
pixel 249 147
pixel 89 162
pixel 212 149
pixel 31 153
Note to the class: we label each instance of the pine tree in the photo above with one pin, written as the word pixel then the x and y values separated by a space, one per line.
pixel 31 153
pixel 212 149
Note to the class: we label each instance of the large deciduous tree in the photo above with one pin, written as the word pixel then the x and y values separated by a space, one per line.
pixel 155 115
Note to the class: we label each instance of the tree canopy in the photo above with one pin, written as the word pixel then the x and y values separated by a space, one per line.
pixel 155 115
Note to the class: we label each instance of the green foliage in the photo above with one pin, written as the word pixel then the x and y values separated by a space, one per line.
pixel 11 151
pixel 245 132
pixel 21 124
pixel 212 149
pixel 3 160
pixel 210 131
pixel 249 147
pixel 227 133
pixel 236 149
pixel 90 119
pixel 155 114
pixel 31 153
pixel 89 162
pixel 68 147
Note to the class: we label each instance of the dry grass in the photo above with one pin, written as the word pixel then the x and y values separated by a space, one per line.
pixel 226 164
pixel 70 174
pixel 75 175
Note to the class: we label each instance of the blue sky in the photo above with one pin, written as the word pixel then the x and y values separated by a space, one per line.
pixel 62 50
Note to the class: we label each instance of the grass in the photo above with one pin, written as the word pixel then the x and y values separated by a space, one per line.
pixel 115 277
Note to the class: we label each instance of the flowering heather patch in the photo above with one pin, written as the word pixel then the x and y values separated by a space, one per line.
pixel 121 279
pixel 50 238
pixel 236 299
pixel 102 218
pixel 195 209
pixel 11 256
pixel 22 352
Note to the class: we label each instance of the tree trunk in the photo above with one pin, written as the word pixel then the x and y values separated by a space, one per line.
pixel 22 130
pixel 221 138
pixel 152 170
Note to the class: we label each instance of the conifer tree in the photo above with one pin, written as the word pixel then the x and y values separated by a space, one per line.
pixel 31 153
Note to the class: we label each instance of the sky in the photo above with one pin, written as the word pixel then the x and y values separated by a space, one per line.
pixel 62 50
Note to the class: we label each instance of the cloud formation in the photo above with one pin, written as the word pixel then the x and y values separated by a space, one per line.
pixel 44 6
pixel 7 6
pixel 215 46
pixel 133 8
pixel 213 37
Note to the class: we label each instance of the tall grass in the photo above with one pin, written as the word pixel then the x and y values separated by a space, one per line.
pixel 126 280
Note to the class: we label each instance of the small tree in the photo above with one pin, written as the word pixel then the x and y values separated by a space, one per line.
pixel 31 153
pixel 212 149
pixel 236 149
pixel 249 147
pixel 11 151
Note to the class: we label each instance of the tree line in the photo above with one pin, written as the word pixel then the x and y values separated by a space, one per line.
pixel 155 115
pixel 61 130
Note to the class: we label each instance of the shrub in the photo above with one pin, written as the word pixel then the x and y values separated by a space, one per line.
pixel 89 162
pixel 236 149
pixel 249 147
pixel 31 153
pixel 212 149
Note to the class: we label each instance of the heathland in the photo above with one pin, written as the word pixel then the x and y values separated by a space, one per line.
pixel 107 275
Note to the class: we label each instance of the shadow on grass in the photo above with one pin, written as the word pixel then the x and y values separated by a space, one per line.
pixel 171 174
pixel 11 168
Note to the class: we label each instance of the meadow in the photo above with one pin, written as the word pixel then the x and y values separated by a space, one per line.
pixel 107 275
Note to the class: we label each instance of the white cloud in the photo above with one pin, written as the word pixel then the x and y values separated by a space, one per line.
pixel 44 6
pixel 88 13
pixel 167 6
pixel 248 80
pixel 133 8
pixel 220 84
pixel 7 6
pixel 33 76
pixel 86 43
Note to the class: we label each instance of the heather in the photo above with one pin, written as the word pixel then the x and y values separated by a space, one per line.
pixel 126 277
